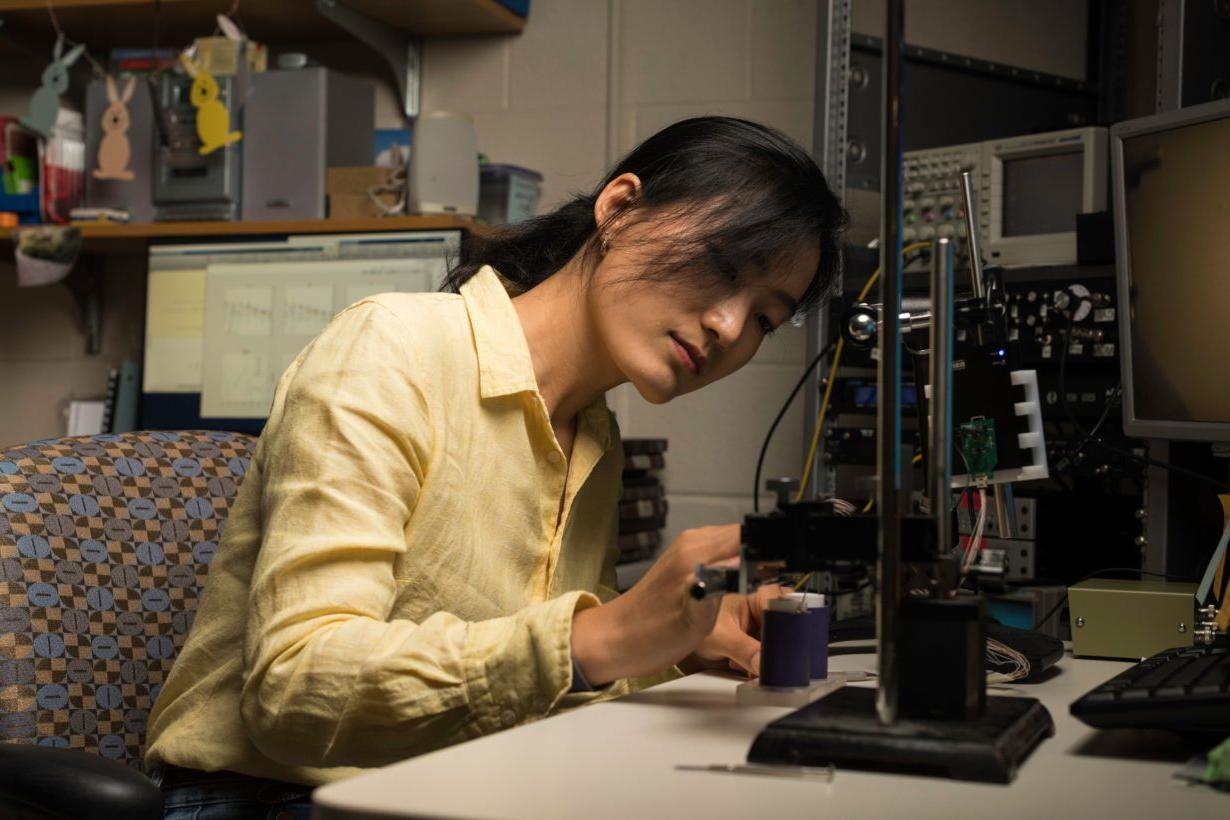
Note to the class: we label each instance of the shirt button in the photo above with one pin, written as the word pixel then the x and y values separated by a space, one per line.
pixel 507 717
pixel 554 457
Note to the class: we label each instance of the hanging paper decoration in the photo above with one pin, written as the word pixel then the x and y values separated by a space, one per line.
pixel 45 104
pixel 243 66
pixel 113 150
pixel 213 121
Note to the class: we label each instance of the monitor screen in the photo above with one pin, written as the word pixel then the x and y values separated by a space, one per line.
pixel 1042 194
pixel 1175 246
pixel 225 318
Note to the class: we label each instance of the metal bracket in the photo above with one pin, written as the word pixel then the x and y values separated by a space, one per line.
pixel 400 51
pixel 1170 55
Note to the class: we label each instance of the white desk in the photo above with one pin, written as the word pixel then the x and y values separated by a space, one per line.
pixel 617 760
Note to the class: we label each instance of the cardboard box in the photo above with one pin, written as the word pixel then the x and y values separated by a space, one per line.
pixel 358 206
pixel 356 180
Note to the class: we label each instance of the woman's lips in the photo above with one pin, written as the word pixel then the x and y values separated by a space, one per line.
pixel 690 356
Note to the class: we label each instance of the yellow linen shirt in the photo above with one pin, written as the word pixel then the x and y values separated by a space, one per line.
pixel 398 572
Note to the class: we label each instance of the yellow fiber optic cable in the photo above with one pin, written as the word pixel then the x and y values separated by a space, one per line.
pixel 828 388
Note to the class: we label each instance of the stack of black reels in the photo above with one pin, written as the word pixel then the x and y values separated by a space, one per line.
pixel 642 507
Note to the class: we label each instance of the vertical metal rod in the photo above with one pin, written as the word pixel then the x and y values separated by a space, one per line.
pixel 998 493
pixel 971 235
pixel 939 465
pixel 888 413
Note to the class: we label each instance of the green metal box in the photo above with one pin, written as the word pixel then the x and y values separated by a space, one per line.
pixel 1115 618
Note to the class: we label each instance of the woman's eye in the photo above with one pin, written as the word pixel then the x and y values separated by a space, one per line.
pixel 766 326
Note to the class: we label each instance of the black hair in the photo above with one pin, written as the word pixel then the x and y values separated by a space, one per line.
pixel 753 193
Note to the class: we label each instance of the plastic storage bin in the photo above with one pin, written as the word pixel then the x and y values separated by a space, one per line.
pixel 508 193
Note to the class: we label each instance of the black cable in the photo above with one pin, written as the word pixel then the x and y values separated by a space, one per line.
pixel 1064 598
pixel 859 588
pixel 764 448
pixel 1112 401
pixel 1063 401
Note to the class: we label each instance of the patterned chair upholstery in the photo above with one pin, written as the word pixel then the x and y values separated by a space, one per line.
pixel 105 543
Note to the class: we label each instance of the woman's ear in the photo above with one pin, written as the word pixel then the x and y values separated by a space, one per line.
pixel 615 198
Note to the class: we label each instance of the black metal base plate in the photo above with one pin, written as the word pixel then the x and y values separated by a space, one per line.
pixel 843 729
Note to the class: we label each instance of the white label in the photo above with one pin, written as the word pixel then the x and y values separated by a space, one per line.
pixel 1046 351
pixel 1089 398
pixel 1105 351
pixel 1104 315
pixel 1076 349
pixel 1013 334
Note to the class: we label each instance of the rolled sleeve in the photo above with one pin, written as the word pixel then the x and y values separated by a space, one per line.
pixel 522 665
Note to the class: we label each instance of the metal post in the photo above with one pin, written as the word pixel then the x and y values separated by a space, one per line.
pixel 1170 25
pixel 888 413
pixel 999 495
pixel 971 236
pixel 939 465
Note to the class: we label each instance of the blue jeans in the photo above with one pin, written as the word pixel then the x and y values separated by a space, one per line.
pixel 192 795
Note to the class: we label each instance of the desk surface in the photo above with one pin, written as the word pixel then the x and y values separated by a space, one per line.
pixel 618 759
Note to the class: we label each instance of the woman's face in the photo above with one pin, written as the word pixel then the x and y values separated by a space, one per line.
pixel 670 338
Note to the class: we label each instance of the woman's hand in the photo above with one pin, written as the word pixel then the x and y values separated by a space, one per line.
pixel 735 639
pixel 657 622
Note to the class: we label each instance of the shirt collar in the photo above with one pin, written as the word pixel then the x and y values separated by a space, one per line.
pixel 504 364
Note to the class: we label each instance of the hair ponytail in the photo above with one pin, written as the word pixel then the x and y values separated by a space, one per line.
pixel 528 252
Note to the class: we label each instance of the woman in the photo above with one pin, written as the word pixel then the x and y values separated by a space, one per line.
pixel 423 549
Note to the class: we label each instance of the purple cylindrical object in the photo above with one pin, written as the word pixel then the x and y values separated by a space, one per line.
pixel 818 643
pixel 785 639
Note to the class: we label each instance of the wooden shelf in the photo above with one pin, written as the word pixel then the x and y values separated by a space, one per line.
pixel 100 237
pixel 104 24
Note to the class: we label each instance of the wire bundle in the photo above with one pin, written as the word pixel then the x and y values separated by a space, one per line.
pixel 975 540
pixel 841 506
pixel 1004 657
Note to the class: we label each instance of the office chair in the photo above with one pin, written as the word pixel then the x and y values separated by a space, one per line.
pixel 105 542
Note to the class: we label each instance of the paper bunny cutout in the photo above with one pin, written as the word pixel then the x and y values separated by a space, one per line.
pixel 213 121
pixel 114 151
pixel 45 104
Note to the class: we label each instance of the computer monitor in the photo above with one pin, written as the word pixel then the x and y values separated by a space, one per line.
pixel 224 319
pixel 1171 182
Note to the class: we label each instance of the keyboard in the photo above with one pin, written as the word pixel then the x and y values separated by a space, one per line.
pixel 1185 689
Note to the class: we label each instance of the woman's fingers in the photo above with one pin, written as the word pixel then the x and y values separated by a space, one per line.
pixel 711 545
pixel 743 651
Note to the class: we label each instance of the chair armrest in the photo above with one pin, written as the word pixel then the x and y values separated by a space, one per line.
pixel 46 782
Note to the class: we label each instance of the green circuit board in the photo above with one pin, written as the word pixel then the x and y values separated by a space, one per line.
pixel 976 439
